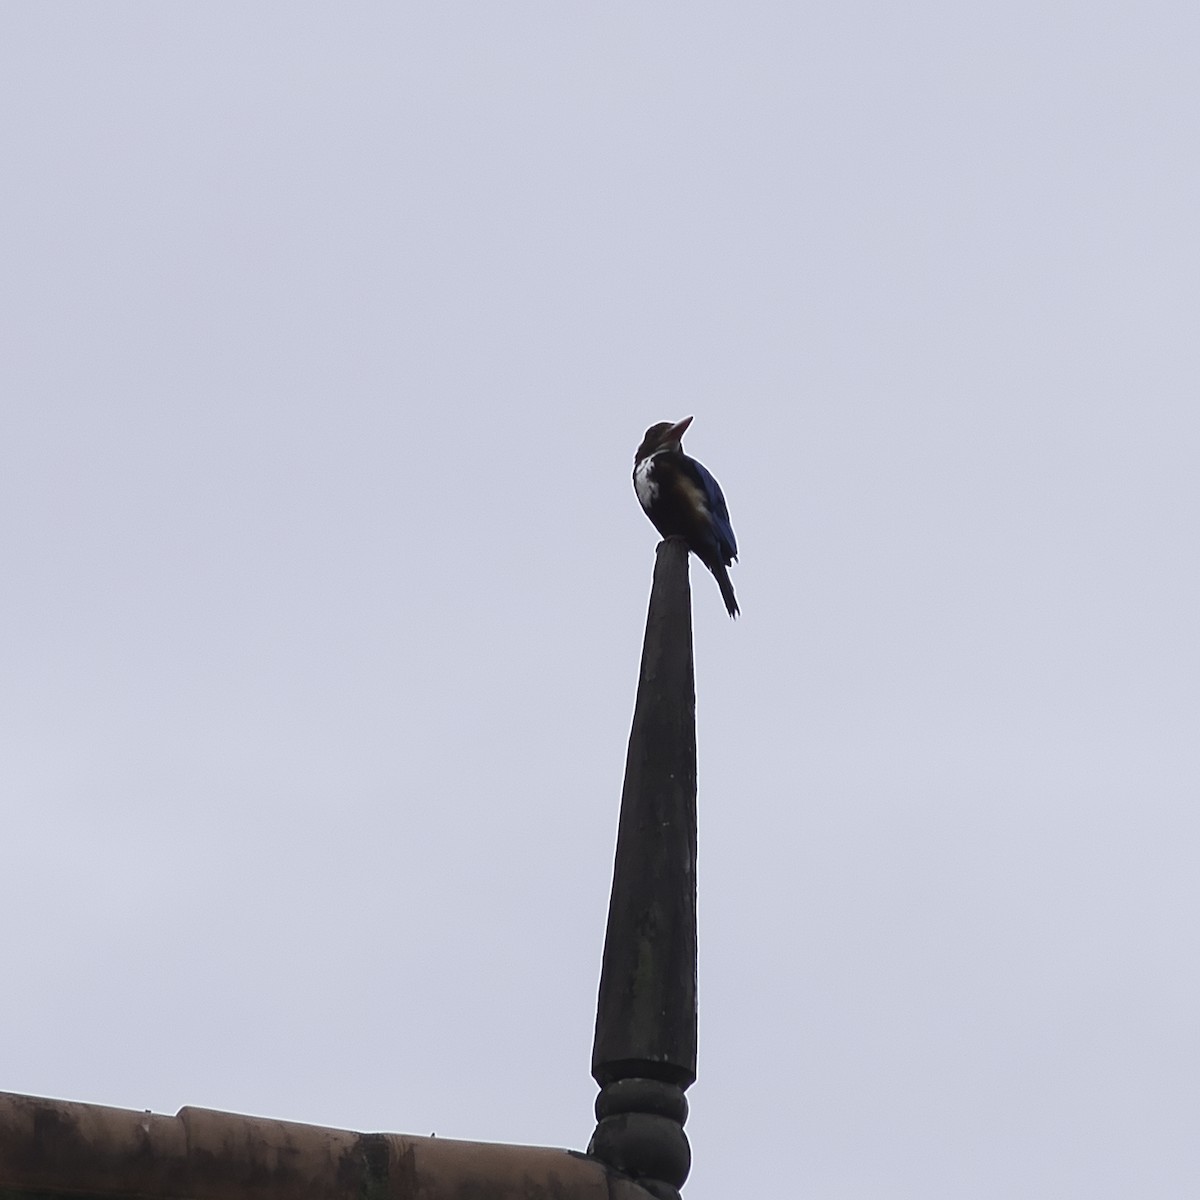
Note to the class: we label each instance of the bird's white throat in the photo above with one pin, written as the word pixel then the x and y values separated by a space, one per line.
pixel 643 481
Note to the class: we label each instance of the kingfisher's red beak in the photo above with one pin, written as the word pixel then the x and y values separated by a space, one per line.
pixel 675 433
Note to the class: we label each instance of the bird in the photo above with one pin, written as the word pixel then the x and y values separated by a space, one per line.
pixel 683 500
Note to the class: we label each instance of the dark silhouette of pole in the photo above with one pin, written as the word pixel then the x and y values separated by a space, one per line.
pixel 644 1055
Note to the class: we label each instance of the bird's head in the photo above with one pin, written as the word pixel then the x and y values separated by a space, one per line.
pixel 663 436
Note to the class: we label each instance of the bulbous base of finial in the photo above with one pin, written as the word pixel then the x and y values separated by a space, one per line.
pixel 640 1133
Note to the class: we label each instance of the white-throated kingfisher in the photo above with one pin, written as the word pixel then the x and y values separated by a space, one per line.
pixel 683 500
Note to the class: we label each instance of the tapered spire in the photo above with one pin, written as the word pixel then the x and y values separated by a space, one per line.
pixel 644 1055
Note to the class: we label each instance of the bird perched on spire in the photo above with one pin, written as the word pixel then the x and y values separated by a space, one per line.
pixel 683 500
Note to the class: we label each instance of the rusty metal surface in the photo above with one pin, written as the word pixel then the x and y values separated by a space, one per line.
pixel 55 1147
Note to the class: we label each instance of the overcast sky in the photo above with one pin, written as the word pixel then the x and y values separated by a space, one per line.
pixel 327 334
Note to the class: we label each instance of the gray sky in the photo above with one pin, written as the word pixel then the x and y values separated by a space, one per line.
pixel 327 334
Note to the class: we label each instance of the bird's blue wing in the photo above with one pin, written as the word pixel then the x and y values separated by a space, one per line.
pixel 720 513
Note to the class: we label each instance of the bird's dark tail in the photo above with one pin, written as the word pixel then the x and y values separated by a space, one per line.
pixel 721 574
